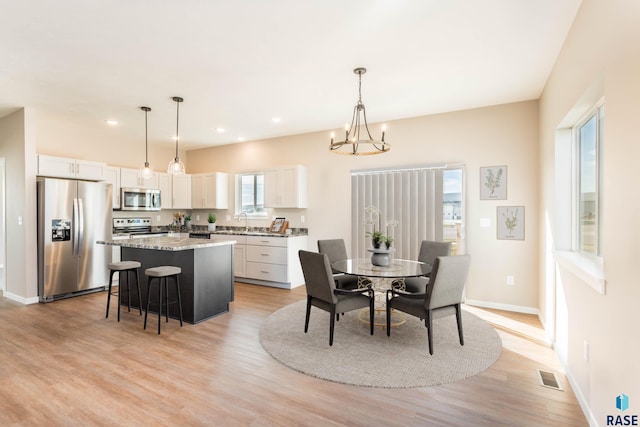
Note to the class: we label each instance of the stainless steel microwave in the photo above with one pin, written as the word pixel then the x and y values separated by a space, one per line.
pixel 139 199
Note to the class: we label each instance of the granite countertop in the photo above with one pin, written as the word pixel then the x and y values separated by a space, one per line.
pixel 250 233
pixel 235 231
pixel 166 243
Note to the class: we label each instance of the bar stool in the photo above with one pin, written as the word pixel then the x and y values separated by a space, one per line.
pixel 163 272
pixel 123 267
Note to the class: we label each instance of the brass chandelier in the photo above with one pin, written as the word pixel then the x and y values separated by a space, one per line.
pixel 354 143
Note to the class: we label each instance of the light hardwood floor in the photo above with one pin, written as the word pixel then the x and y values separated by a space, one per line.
pixel 63 363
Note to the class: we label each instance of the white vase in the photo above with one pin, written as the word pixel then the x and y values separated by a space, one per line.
pixel 211 226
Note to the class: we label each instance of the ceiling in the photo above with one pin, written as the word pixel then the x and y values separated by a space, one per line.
pixel 238 64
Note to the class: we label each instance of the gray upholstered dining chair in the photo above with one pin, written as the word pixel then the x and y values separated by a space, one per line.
pixel 429 251
pixel 323 294
pixel 443 296
pixel 337 251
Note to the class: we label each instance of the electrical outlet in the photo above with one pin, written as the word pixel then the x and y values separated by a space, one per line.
pixel 510 280
pixel 302 219
pixel 197 217
pixel 586 350
pixel 158 218
pixel 228 217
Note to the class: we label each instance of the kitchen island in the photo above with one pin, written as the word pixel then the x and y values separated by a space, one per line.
pixel 207 272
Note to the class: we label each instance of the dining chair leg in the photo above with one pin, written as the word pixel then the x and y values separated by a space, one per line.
pixel 332 324
pixel 388 317
pixel 306 320
pixel 428 324
pixel 371 314
pixel 459 320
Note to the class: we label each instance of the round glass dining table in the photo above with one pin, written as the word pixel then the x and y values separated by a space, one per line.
pixel 381 279
pixel 399 268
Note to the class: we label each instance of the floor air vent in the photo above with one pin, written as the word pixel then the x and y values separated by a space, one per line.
pixel 548 379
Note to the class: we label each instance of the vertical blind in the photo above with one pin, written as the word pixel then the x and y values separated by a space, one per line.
pixel 412 197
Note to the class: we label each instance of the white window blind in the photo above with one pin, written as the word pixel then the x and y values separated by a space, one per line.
pixel 413 197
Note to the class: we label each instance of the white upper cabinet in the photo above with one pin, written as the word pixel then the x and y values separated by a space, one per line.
pixel 130 178
pixel 285 187
pixel 181 190
pixel 112 176
pixel 61 167
pixel 175 191
pixel 166 193
pixel 209 191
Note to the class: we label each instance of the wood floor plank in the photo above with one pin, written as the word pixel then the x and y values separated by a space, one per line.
pixel 63 363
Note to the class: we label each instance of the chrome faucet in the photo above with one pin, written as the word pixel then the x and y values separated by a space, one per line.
pixel 246 221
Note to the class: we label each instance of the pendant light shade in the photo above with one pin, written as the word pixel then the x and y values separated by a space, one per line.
pixel 146 172
pixel 176 167
pixel 354 143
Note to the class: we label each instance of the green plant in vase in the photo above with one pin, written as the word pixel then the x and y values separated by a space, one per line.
pixel 376 238
pixel 211 219
pixel 387 241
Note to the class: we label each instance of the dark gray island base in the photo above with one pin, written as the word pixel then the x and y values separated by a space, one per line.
pixel 206 280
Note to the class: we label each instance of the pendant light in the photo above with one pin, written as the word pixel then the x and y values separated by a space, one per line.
pixel 355 145
pixel 176 167
pixel 146 172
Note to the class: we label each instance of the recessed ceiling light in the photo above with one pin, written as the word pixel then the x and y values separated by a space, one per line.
pixel 241 138
pixel 220 130
pixel 111 122
pixel 276 120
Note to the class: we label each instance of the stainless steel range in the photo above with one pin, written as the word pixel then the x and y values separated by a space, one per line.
pixel 135 228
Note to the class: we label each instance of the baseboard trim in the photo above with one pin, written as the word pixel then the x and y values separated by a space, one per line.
pixel 499 306
pixel 580 398
pixel 266 283
pixel 21 300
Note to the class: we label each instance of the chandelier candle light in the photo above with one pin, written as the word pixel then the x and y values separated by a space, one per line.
pixel 352 140
pixel 145 172
pixel 176 167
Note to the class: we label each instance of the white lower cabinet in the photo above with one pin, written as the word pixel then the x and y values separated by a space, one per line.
pixel 239 251
pixel 273 261
pixel 268 261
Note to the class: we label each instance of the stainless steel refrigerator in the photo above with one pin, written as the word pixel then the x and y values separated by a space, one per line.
pixel 72 215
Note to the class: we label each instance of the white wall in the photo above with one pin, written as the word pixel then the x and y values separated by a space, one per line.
pixel 601 49
pixel 3 226
pixel 17 145
pixel 499 135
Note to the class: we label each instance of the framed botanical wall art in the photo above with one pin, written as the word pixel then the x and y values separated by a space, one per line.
pixel 493 183
pixel 510 222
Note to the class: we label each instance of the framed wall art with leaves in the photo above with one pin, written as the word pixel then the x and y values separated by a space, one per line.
pixel 493 183
pixel 510 222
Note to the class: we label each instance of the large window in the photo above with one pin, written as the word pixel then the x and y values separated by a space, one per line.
pixel 412 204
pixel 250 194
pixel 588 148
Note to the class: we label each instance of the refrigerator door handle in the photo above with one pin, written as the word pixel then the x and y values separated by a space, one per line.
pixel 81 227
pixel 76 230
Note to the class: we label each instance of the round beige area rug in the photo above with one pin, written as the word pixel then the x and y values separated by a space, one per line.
pixel 399 361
